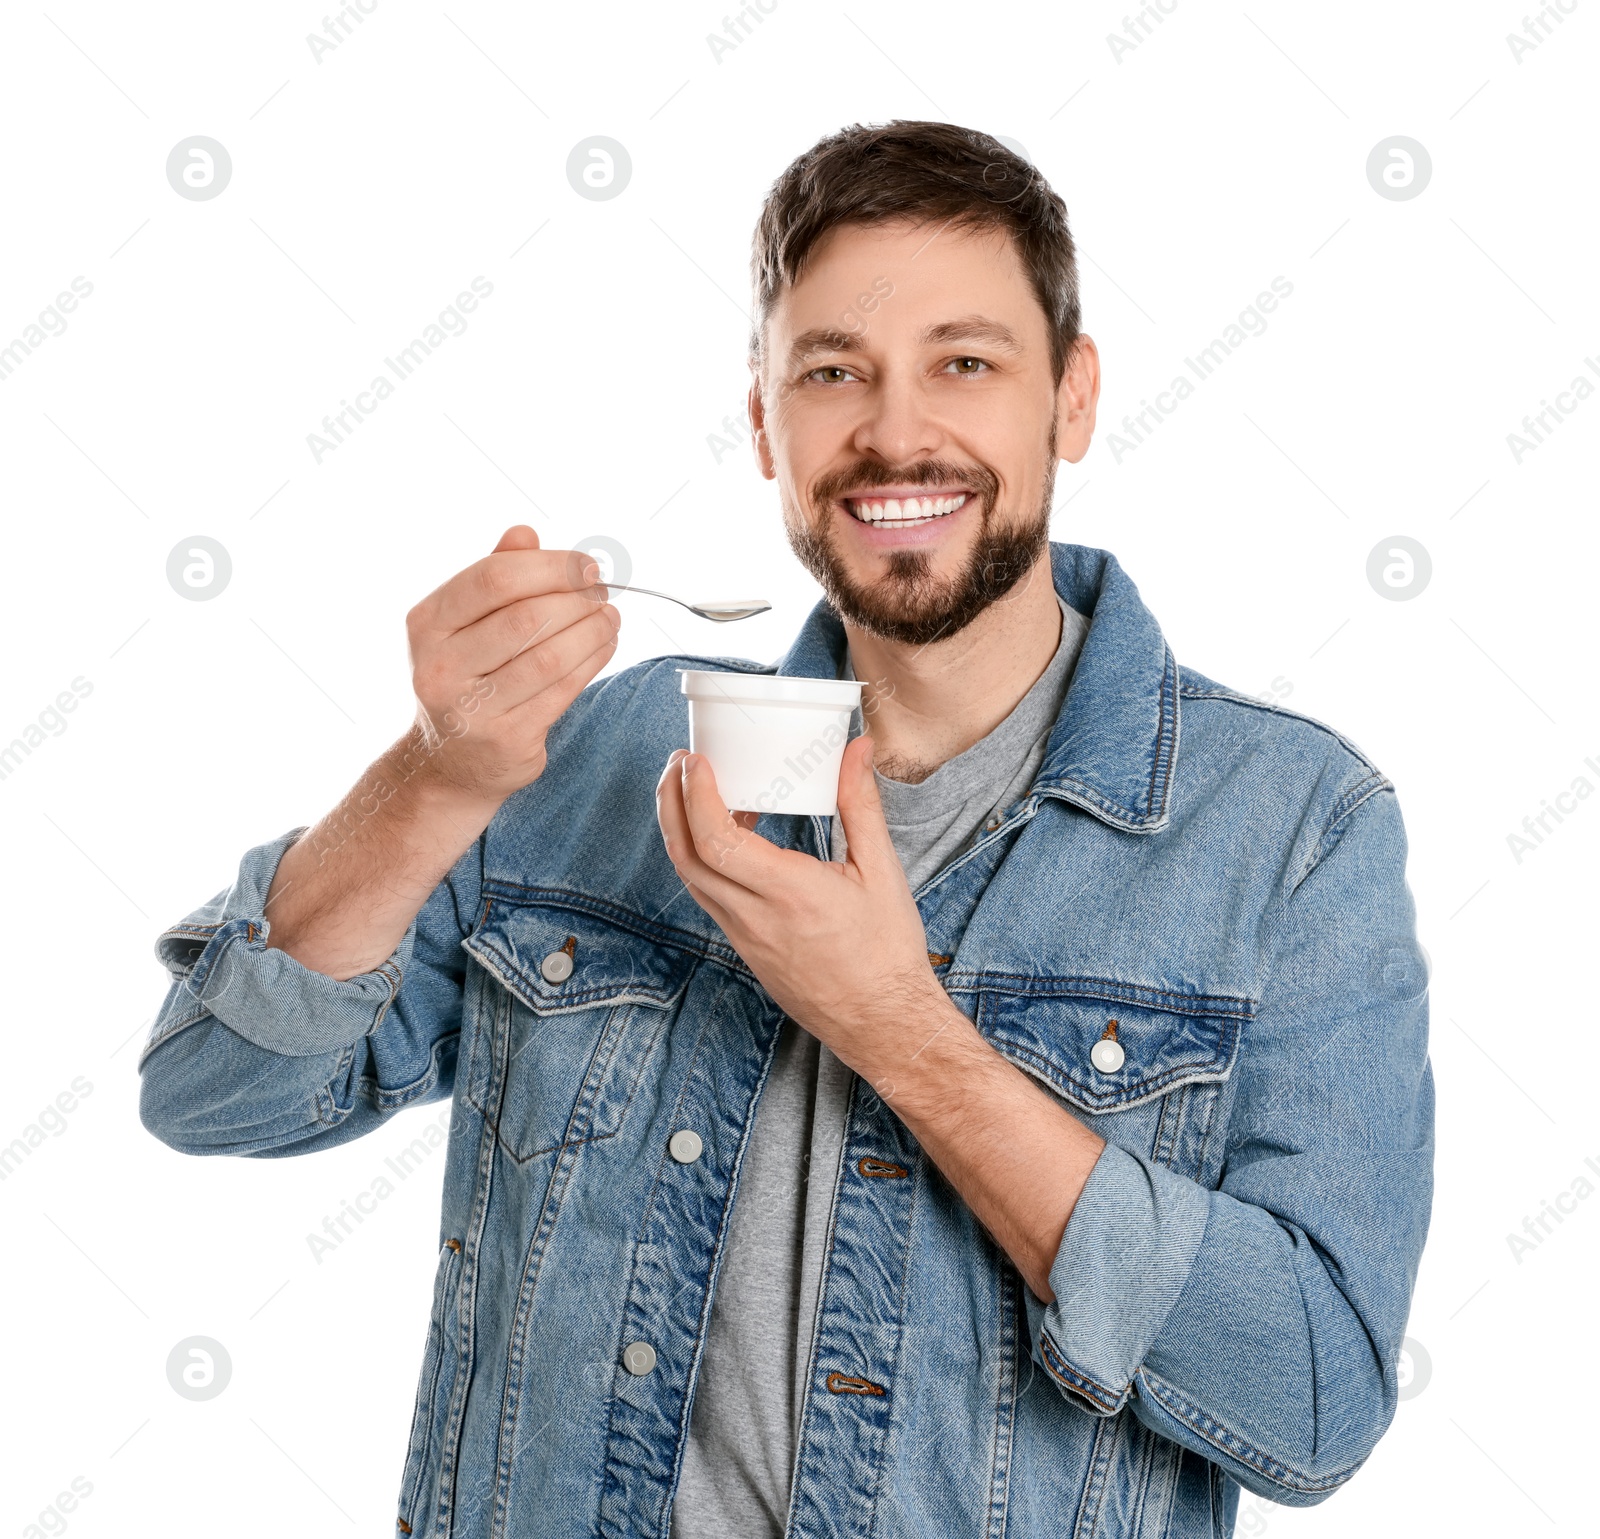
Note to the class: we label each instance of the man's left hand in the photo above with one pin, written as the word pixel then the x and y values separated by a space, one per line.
pixel 839 945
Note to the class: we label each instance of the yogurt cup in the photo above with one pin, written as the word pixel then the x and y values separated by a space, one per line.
pixel 773 742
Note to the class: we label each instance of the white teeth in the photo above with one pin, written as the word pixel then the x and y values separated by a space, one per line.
pixel 903 510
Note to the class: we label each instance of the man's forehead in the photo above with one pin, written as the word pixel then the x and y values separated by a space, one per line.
pixel 908 256
pixel 933 281
pixel 906 237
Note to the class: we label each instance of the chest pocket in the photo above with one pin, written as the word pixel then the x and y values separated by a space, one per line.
pixel 562 1045
pixel 1145 1076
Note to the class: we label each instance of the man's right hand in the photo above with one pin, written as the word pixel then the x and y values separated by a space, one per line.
pixel 498 653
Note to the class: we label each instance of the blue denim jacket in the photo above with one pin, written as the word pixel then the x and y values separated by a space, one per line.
pixel 1216 883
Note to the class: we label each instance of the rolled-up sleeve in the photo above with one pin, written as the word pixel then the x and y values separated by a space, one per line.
pixel 252 1053
pixel 1260 1324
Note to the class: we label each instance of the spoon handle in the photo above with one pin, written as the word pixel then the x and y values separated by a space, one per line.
pixel 628 587
pixel 719 614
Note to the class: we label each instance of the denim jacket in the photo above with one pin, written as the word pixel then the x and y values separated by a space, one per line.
pixel 1215 884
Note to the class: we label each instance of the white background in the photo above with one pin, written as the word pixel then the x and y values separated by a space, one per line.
pixel 429 148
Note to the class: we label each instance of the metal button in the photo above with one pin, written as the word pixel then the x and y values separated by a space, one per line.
pixel 557 967
pixel 638 1357
pixel 1107 1055
pixel 992 824
pixel 685 1146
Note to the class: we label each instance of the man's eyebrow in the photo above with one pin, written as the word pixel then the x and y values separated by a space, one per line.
pixel 820 339
pixel 973 328
pixel 969 328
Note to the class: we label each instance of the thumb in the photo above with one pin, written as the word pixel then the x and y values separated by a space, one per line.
pixel 861 811
pixel 518 537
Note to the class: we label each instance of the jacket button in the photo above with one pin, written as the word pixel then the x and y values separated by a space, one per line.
pixel 557 967
pixel 638 1357
pixel 685 1146
pixel 1106 1055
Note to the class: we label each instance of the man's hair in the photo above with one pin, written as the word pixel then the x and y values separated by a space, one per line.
pixel 927 172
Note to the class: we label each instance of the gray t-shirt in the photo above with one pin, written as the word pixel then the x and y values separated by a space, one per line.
pixel 742 1433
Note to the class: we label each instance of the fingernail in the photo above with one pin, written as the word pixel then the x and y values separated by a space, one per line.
pixel 591 572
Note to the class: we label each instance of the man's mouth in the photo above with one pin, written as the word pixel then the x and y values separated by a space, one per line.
pixel 904 512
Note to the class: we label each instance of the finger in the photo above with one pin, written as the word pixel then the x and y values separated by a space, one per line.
pixel 550 702
pixel 723 917
pixel 518 537
pixel 733 848
pixel 684 852
pixel 673 817
pixel 866 833
pixel 498 638
pixel 745 820
pixel 501 578
pixel 532 672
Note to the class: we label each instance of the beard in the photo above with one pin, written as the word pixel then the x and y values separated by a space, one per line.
pixel 910 604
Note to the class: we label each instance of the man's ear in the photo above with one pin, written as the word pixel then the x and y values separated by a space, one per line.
pixel 1076 398
pixel 755 408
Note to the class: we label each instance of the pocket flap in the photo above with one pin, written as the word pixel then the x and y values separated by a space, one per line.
pixel 612 962
pixel 1051 1030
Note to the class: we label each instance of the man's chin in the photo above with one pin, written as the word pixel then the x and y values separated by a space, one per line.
pixel 917 594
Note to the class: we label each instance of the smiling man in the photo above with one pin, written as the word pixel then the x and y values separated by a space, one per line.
pixel 1043 1145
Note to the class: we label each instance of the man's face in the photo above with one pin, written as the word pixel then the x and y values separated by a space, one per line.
pixel 912 423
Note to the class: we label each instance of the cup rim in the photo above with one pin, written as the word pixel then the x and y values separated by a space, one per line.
pixel 785 688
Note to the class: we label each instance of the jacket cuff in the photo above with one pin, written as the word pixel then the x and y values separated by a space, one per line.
pixel 1121 1266
pixel 219 954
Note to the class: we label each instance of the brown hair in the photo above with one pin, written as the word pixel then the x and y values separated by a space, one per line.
pixel 923 171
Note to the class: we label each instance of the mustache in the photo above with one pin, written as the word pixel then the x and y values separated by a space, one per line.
pixel 866 474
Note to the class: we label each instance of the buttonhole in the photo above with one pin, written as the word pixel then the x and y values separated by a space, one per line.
pixel 868 1166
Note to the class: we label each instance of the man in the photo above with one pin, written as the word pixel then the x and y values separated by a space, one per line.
pixel 1044 1146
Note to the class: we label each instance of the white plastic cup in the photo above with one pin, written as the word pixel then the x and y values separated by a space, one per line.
pixel 773 742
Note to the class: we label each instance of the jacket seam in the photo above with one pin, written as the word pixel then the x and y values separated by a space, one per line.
pixel 1332 830
pixel 392 1098
pixel 613 992
pixel 393 977
pixel 719 1257
pixel 1091 1389
pixel 615 914
pixel 171 1029
pixel 1212 1070
pixel 1166 738
pixel 464 925
pixel 1237 1007
pixel 739 664
pixel 1197 692
pixel 1134 822
pixel 895 1400
pixel 813 1353
pixel 1230 1443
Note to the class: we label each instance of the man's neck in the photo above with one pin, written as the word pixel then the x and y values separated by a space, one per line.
pixel 924 705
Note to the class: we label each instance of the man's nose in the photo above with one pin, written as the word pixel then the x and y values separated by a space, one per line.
pixel 896 422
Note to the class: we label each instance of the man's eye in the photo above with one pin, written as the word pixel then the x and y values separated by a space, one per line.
pixel 959 365
pixel 835 369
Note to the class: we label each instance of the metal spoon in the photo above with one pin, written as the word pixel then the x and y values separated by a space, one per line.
pixel 722 612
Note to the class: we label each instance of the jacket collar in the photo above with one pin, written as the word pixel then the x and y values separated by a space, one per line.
pixel 1115 742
